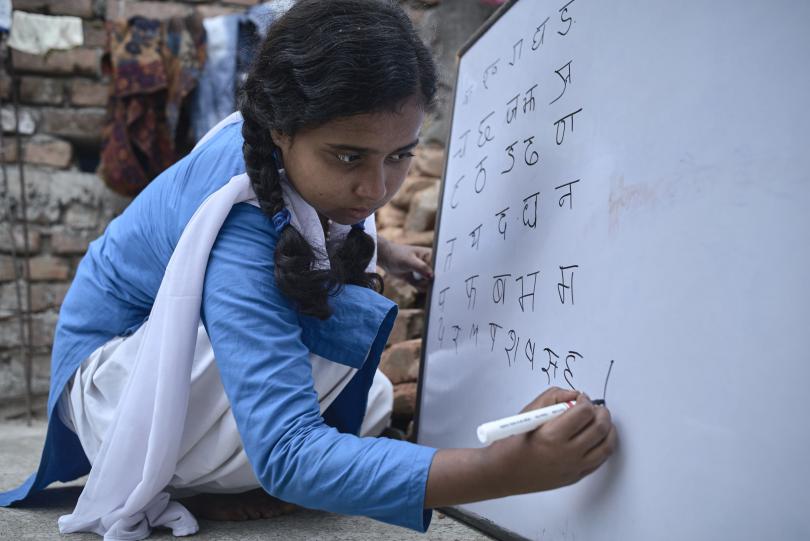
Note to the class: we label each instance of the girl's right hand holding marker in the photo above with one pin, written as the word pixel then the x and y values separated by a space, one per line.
pixel 558 453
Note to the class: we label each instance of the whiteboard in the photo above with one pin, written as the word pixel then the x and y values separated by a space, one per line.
pixel 654 211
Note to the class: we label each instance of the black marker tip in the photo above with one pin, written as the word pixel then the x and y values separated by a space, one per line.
pixel 598 402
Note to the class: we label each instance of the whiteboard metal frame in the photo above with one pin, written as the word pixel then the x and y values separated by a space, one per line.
pixel 473 520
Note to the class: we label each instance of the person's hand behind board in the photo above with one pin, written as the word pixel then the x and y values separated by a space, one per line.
pixel 403 260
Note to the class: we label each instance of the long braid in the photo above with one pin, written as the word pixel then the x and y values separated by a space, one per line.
pixel 295 274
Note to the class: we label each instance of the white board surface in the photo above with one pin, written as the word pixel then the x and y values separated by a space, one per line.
pixel 685 247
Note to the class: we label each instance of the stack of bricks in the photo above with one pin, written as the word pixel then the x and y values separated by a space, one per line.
pixel 62 98
pixel 410 218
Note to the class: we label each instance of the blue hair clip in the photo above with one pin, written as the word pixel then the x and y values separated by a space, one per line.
pixel 360 225
pixel 281 219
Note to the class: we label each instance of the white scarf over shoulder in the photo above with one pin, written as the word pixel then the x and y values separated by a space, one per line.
pixel 125 493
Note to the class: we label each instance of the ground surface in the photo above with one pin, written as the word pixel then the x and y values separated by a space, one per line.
pixel 20 447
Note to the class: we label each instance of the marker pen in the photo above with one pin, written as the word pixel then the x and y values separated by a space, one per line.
pixel 524 422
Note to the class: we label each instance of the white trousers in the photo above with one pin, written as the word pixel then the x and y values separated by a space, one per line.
pixel 212 458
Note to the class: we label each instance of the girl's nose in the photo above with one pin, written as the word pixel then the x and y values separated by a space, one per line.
pixel 371 185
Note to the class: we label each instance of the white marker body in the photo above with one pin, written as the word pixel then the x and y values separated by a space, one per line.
pixel 518 424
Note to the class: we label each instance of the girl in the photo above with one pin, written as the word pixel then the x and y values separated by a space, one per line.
pixel 223 335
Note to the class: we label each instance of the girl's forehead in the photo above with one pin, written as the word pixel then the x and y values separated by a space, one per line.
pixel 384 131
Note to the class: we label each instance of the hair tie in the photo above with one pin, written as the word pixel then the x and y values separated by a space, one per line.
pixel 281 219
pixel 360 225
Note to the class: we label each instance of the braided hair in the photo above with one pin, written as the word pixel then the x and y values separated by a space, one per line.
pixel 321 61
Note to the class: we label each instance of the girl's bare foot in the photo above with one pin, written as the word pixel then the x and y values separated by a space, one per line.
pixel 251 505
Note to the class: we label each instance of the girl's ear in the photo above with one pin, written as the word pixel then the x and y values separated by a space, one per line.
pixel 281 140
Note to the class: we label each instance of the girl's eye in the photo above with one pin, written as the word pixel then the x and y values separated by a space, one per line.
pixel 348 158
pixel 400 157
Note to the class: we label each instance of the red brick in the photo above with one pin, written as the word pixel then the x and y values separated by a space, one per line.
pixel 409 324
pixel 429 161
pixel 390 216
pixel 5 86
pixel 84 92
pixel 81 124
pixel 46 150
pixel 82 216
pixel 412 184
pixel 94 34
pixel 400 291
pixel 7 268
pixel 34 239
pixel 46 267
pixel 422 213
pixel 77 8
pixel 80 61
pixel 41 90
pixel 400 362
pixel 43 297
pixel 70 242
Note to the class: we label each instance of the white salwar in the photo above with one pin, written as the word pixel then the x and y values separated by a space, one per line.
pixel 150 410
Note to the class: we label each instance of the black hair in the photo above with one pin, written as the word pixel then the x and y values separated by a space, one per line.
pixel 324 60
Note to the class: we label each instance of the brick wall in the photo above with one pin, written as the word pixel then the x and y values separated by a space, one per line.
pixel 62 97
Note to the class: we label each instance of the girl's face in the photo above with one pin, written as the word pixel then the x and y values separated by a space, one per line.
pixel 349 167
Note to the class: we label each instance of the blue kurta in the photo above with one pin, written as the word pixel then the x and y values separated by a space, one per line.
pixel 261 344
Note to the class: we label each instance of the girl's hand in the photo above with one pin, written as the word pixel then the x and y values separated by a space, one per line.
pixel 402 260
pixel 559 453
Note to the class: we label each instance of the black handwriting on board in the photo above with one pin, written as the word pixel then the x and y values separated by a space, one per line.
pixel 530 210
pixel 539 34
pixel 568 374
pixel 491 70
pixel 563 286
pixel 485 130
pixel 566 79
pixel 476 236
pixel 455 337
pixel 529 351
pixel 493 332
pixel 448 259
pixel 511 351
pixel 481 176
pixel 517 49
pixel 563 12
pixel 499 288
pixel 530 157
pixel 463 149
pixel 512 109
pixel 525 292
pixel 472 291
pixel 552 363
pixel 443 298
pixel 453 202
pixel 510 151
pixel 474 333
pixel 562 124
pixel 528 100
pixel 502 222
pixel 569 195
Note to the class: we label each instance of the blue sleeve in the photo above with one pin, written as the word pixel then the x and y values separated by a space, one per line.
pixel 264 364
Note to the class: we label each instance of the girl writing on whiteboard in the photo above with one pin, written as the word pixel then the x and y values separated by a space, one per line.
pixel 222 336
